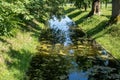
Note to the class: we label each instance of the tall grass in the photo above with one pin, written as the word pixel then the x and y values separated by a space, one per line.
pixel 15 55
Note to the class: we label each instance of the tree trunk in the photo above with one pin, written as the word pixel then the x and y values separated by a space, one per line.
pixel 95 8
pixel 116 10
pixel 106 2
pixel 85 6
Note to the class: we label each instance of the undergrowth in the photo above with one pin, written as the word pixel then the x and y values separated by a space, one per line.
pixel 15 55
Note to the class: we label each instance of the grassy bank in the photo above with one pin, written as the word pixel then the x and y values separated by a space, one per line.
pixel 15 54
pixel 95 27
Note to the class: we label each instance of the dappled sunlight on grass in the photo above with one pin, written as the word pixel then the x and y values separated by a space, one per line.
pixel 69 10
pixel 73 15
pixel 97 28
pixel 17 63
pixel 23 40
pixel 15 55
pixel 111 44
pixel 100 27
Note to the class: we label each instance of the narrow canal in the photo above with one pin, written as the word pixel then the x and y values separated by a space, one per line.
pixel 65 53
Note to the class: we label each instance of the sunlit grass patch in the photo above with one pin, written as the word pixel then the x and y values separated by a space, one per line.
pixel 96 27
pixel 111 39
pixel 15 55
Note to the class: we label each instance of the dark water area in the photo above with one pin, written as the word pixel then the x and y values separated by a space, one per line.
pixel 81 59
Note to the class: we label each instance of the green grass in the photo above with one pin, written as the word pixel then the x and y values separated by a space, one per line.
pixel 15 54
pixel 110 39
pixel 96 27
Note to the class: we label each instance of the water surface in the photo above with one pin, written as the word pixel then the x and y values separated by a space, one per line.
pixel 65 53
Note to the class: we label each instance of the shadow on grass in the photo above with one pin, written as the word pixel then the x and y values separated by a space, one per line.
pixel 101 26
pixel 107 16
pixel 19 60
pixel 69 10
pixel 4 41
pixel 75 14
pixel 32 27
pixel 81 19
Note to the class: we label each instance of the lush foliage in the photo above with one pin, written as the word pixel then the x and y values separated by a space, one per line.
pixel 16 52
pixel 87 3
pixel 14 13
pixel 9 12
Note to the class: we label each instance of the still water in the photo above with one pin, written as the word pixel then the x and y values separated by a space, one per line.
pixel 63 26
pixel 62 55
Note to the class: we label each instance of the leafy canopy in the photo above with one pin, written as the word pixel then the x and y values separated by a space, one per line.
pixel 15 12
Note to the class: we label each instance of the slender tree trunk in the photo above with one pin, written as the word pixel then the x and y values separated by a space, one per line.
pixel 116 10
pixel 89 4
pixel 85 6
pixel 95 8
pixel 106 2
